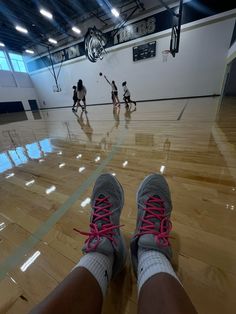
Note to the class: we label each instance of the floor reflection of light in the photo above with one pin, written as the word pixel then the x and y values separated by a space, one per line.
pixel 59 153
pixel 33 150
pixel 46 145
pixel 12 279
pixel 114 174
pixel 79 156
pixel 30 261
pixel 41 160
pixel 51 189
pixel 2 226
pixel 62 165
pixel 5 163
pixel 18 156
pixel 28 183
pixel 86 202
pixel 162 169
pixel 233 189
pixel 10 175
pixel 125 163
pixel 97 159
pixel 81 169
pixel 232 207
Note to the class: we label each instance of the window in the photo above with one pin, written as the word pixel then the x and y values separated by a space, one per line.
pixel 17 62
pixel 3 62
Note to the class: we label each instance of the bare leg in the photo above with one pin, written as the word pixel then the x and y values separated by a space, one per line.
pixel 79 292
pixel 163 294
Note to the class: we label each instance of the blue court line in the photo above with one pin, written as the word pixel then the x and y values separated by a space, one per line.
pixel 13 259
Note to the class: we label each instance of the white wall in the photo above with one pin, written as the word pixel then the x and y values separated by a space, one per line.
pixel 197 70
pixel 16 86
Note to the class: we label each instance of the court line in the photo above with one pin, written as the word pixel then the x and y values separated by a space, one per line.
pixel 13 259
pixel 182 111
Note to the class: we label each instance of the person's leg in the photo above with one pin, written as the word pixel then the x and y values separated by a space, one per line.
pixel 82 291
pixel 75 102
pixel 126 102
pixel 79 292
pixel 84 107
pixel 134 102
pixel 160 290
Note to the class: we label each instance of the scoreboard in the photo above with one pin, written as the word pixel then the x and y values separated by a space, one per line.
pixel 144 51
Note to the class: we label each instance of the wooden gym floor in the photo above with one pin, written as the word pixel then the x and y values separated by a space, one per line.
pixel 50 160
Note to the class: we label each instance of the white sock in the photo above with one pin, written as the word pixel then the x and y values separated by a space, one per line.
pixel 100 266
pixel 150 263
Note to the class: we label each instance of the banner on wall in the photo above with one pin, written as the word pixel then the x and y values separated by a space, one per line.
pixel 155 23
pixel 94 42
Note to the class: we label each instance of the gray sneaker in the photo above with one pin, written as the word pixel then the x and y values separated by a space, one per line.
pixel 107 201
pixel 153 221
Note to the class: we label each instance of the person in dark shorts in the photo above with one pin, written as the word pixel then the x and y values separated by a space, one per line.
pixel 126 95
pixel 114 92
pixel 75 98
pixel 81 93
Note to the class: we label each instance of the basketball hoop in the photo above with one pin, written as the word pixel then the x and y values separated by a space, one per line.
pixel 165 54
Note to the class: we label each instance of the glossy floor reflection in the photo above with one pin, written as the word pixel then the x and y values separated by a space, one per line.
pixel 47 169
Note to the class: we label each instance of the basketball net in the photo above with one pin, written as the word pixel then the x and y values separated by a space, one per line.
pixel 165 54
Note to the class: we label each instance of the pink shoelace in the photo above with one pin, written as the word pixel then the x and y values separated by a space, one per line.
pixel 148 226
pixel 101 214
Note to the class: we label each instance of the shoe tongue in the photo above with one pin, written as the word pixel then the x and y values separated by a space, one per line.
pixel 147 241
pixel 104 246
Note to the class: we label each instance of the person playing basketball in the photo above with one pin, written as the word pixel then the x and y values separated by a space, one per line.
pixel 126 95
pixel 114 92
pixel 75 98
pixel 81 93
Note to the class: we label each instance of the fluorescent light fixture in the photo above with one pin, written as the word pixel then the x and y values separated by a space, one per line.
pixel 79 156
pixel 51 189
pixel 10 175
pixel 86 202
pixel 162 169
pixel 29 51
pixel 2 44
pixel 52 41
pixel 30 261
pixel 62 165
pixel 76 30
pixel 46 13
pixel 2 226
pixel 28 183
pixel 97 159
pixel 21 29
pixel 125 163
pixel 81 169
pixel 115 12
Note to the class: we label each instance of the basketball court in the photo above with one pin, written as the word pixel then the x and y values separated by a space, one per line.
pixel 183 126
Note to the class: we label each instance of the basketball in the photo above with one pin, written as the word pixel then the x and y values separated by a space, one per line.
pixel 100 73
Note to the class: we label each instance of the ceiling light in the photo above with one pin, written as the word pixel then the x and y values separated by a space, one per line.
pixel 76 30
pixel 46 13
pixel 29 51
pixel 115 12
pixel 21 29
pixel 52 41
pixel 2 45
